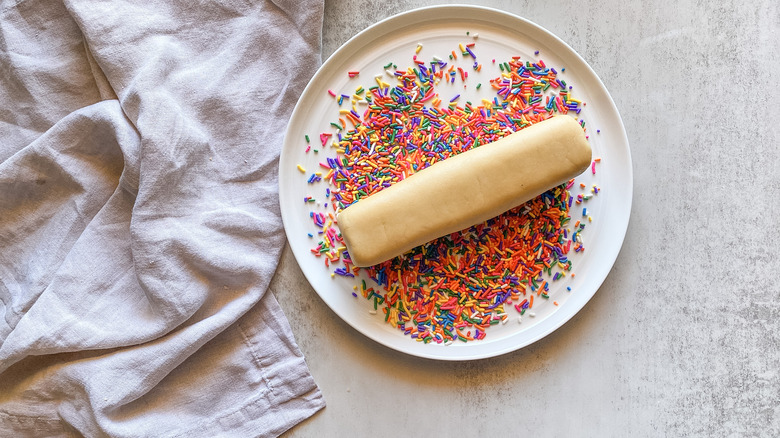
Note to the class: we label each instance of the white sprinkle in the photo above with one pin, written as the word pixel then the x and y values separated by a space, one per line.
pixel 519 319
pixel 372 311
pixel 531 314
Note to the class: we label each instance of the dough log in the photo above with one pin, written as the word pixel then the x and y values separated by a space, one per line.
pixel 464 190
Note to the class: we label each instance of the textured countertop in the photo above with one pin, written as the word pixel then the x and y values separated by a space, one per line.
pixel 683 338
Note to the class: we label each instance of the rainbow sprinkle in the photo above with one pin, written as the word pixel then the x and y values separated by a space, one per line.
pixel 455 287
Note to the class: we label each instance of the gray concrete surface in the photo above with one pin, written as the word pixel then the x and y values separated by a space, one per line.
pixel 683 338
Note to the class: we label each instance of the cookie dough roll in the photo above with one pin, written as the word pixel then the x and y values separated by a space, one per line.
pixel 464 190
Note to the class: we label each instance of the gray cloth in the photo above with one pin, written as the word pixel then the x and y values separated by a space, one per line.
pixel 139 217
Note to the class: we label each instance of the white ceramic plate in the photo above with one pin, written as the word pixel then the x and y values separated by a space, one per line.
pixel 499 36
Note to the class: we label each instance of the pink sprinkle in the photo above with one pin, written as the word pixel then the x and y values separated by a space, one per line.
pixel 324 137
pixel 593 167
pixel 332 93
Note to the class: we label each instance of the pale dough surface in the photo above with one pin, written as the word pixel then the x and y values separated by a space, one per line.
pixel 464 190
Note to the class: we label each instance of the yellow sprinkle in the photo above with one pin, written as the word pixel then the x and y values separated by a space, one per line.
pixel 301 169
pixel 380 82
pixel 419 47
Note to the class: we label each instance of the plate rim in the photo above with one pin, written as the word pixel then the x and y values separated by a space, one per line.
pixel 610 258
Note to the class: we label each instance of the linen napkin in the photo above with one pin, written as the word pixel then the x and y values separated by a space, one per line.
pixel 139 217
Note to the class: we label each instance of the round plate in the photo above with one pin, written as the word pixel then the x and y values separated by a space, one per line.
pixel 497 35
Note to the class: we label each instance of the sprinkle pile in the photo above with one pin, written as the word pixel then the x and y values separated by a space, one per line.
pixel 457 286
